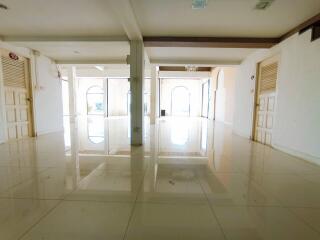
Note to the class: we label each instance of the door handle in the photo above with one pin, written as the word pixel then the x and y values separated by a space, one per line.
pixel 28 99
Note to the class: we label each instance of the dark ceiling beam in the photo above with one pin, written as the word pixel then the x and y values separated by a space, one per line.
pixel 301 27
pixel 183 69
pixel 226 42
pixel 210 42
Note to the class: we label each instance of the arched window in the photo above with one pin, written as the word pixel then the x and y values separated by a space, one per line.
pixel 180 101
pixel 220 84
pixel 95 102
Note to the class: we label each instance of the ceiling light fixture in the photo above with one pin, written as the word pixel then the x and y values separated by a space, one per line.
pixel 263 4
pixel 101 68
pixel 199 4
pixel 4 7
pixel 191 68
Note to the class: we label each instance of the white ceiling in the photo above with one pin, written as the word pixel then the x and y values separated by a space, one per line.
pixel 224 18
pixel 58 18
pixel 99 52
pixel 45 19
pixel 203 56
pixel 155 17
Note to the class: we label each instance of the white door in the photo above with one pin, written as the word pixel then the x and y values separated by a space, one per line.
pixel 15 71
pixel 266 100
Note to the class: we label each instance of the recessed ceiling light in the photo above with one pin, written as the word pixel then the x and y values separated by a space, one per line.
pixel 199 4
pixel 4 7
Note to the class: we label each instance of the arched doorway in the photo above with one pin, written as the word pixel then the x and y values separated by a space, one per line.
pixel 180 101
pixel 220 97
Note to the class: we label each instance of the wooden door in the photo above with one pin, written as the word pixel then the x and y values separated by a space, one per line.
pixel 266 98
pixel 17 92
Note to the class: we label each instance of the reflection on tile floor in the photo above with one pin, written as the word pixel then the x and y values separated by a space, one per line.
pixel 190 180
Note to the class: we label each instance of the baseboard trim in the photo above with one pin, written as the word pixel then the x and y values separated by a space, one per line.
pixel 304 156
pixel 48 132
pixel 241 134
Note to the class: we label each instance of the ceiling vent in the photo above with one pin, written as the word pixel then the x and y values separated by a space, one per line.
pixel 199 4
pixel 263 4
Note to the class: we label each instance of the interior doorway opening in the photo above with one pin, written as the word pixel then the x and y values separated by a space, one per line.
pixel 205 99
pixel 184 97
pixel 180 101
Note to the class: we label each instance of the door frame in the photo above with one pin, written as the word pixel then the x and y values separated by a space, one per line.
pixel 256 79
pixel 202 88
pixel 215 92
pixel 31 75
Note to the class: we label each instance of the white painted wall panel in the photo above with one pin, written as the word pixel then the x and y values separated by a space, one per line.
pixel 297 125
pixel 297 128
pixel 48 99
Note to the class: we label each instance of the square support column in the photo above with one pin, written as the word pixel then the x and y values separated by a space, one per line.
pixel 72 93
pixel 136 88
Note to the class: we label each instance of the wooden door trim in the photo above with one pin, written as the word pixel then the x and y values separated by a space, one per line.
pixel 2 100
pixel 31 97
pixel 255 101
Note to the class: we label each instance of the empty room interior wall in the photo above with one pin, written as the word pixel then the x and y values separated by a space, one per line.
pixel 118 96
pixel 48 97
pixel 296 127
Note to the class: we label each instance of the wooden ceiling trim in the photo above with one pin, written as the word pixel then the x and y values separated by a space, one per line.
pixel 209 42
pixel 183 69
pixel 301 27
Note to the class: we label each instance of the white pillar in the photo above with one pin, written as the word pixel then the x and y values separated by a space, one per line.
pixel 136 88
pixel 72 94
pixel 154 94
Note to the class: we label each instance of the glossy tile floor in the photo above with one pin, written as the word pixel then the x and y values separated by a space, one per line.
pixel 191 180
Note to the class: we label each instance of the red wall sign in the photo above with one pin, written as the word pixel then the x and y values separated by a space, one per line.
pixel 13 56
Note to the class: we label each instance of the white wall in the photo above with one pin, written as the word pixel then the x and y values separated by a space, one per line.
pixel 229 84
pixel 297 122
pixel 118 96
pixel 48 97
